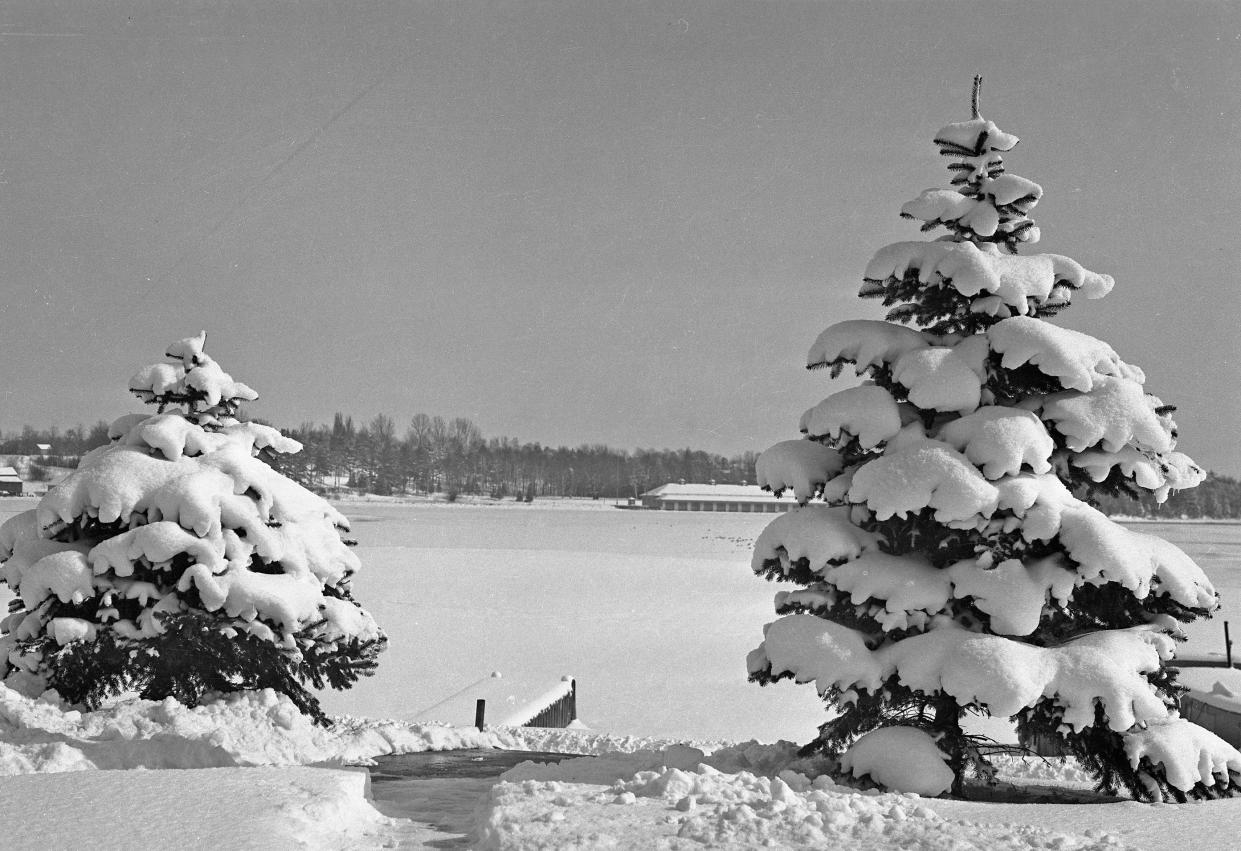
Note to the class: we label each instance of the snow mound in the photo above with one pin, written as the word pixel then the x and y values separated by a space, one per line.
pixel 975 136
pixel 1160 473
pixel 1113 413
pixel 1108 552
pixel 1013 593
pixel 998 674
pixel 296 807
pixel 1075 358
pixel 241 729
pixel 671 806
pixel 924 474
pixel 173 436
pixel 864 343
pixel 196 376
pixel 824 652
pixel 1001 284
pixel 869 413
pixel 821 535
pixel 949 205
pixel 910 588
pixel 902 759
pixel 1063 771
pixel 1000 441
pixel 943 379
pixel 607 767
pixel 803 465
pixel 1188 753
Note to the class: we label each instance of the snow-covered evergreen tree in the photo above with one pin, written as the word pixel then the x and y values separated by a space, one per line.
pixel 950 559
pixel 174 562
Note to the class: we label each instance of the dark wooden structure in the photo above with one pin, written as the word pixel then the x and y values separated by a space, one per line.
pixel 562 713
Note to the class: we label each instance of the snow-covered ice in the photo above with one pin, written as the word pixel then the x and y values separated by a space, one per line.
pixel 212 808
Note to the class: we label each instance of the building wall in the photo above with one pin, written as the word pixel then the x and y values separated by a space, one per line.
pixel 680 504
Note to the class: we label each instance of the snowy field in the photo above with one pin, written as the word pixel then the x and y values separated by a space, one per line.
pixel 652 612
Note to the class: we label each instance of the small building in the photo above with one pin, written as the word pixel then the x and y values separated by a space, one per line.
pixel 712 497
pixel 43 449
pixel 10 482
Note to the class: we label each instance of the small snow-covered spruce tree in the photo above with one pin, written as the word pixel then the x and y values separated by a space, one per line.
pixel 949 558
pixel 175 562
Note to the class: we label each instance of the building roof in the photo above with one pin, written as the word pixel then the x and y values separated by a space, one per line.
pixel 8 474
pixel 712 493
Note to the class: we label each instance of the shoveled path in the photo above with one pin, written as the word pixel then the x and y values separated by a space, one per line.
pixel 439 790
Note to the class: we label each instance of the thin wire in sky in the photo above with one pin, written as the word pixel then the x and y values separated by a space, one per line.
pixel 238 205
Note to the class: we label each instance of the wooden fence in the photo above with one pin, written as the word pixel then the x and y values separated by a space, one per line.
pixel 561 713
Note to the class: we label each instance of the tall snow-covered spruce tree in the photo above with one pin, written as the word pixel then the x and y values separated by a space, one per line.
pixel 949 558
pixel 175 562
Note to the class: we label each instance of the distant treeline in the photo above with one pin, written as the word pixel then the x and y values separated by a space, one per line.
pixel 66 446
pixel 1218 497
pixel 437 455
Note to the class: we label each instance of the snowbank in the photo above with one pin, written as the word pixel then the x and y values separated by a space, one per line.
pixel 257 808
pixel 649 800
pixel 250 729
pixel 251 786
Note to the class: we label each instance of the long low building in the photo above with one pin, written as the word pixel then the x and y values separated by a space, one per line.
pixel 712 497
pixel 10 483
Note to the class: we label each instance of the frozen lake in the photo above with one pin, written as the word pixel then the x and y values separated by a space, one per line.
pixel 652 612
pixel 1216 547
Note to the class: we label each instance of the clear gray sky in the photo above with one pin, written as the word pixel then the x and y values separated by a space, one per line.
pixel 587 221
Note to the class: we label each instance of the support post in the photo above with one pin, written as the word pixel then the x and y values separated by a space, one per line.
pixel 480 713
pixel 1227 645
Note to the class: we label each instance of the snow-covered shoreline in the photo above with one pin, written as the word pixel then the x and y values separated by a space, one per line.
pixel 264 776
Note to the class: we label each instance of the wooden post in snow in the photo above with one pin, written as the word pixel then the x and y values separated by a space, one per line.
pixel 480 713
